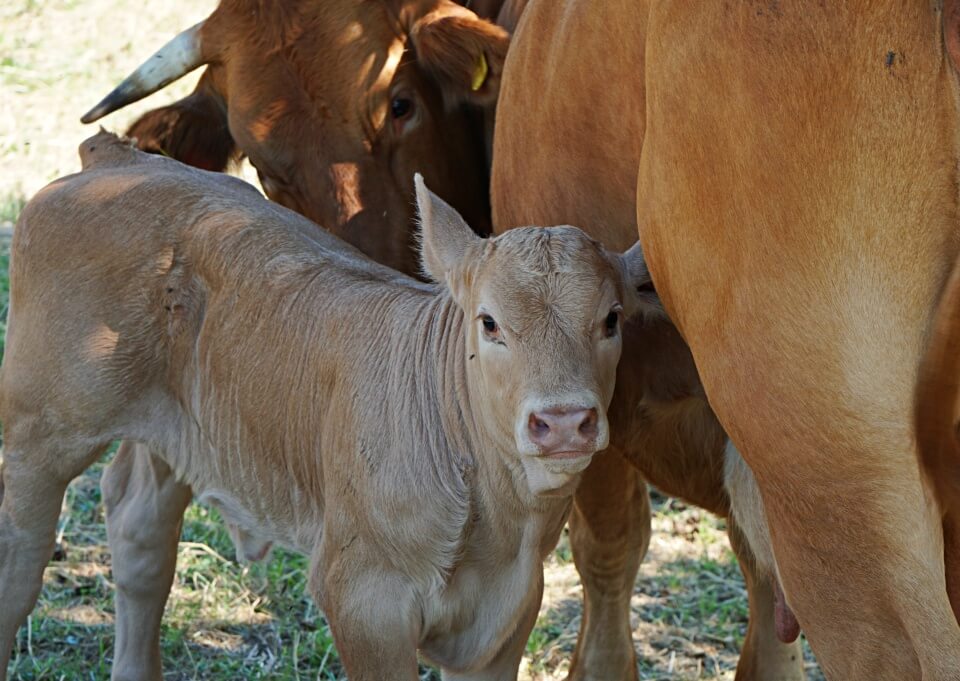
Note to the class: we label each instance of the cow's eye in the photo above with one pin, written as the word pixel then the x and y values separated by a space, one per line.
pixel 401 108
pixel 491 330
pixel 610 324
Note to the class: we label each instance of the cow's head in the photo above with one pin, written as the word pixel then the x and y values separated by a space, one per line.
pixel 543 311
pixel 337 104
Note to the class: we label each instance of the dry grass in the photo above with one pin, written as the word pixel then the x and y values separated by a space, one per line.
pixel 223 621
pixel 57 59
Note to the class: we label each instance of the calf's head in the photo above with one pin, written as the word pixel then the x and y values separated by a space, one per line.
pixel 543 310
pixel 336 103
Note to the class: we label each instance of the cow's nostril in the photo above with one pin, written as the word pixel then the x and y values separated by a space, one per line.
pixel 538 427
pixel 588 427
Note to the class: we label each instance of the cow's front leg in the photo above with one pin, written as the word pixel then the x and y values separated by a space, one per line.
pixel 506 664
pixel 609 535
pixel 372 614
pixel 145 506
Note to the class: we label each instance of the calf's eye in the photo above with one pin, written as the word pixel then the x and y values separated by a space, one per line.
pixel 610 324
pixel 491 330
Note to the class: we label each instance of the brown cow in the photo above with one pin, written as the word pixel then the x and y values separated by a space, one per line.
pixel 938 424
pixel 437 430
pixel 336 104
pixel 797 201
pixel 563 58
pixel 801 220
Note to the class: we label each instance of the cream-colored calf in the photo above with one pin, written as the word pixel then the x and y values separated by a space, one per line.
pixel 420 442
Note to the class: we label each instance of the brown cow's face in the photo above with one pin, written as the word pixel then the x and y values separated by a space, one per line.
pixel 338 103
pixel 543 310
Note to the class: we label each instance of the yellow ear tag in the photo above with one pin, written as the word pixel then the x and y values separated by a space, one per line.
pixel 479 73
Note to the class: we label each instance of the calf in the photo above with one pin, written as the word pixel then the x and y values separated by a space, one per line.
pixel 421 442
pixel 336 104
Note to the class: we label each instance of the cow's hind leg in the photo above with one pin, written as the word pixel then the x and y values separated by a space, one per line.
pixel 34 479
pixel 145 506
pixel 763 657
pixel 609 535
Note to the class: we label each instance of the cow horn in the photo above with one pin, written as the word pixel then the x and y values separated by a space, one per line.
pixel 177 58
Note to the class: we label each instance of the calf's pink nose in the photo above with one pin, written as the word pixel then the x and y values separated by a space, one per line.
pixel 563 430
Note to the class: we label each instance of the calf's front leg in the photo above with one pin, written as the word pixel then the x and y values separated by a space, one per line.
pixel 506 664
pixel 372 614
pixel 145 506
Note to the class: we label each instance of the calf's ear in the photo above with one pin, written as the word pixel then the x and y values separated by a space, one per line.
pixel 638 284
pixel 463 52
pixel 445 238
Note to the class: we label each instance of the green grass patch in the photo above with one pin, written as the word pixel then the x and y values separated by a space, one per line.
pixel 10 207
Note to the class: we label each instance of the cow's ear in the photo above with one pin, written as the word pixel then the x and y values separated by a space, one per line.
pixel 193 131
pixel 445 238
pixel 638 285
pixel 463 52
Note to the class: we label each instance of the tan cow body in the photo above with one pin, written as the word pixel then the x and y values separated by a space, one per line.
pixel 797 201
pixel 414 439
pixel 336 104
pixel 804 277
pixel 558 84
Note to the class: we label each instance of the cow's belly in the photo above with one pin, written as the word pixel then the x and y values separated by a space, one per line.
pixel 253 537
pixel 260 502
pixel 777 267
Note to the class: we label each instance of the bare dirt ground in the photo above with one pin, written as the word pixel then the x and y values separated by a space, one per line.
pixel 224 621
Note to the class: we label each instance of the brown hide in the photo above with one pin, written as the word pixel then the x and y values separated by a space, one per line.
pixel 572 122
pixel 800 218
pixel 567 148
pixel 337 104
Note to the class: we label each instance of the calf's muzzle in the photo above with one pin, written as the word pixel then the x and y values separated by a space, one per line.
pixel 564 431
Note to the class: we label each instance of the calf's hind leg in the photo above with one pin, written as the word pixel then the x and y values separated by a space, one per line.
pixel 34 479
pixel 145 506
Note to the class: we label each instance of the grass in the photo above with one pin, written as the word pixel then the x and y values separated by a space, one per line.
pixel 224 620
